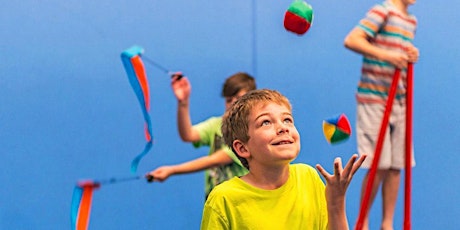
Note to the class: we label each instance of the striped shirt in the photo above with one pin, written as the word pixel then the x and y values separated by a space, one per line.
pixel 390 29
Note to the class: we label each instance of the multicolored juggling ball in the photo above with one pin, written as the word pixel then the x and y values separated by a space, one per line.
pixel 298 17
pixel 336 129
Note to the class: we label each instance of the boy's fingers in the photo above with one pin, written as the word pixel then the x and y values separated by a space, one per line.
pixel 350 164
pixel 149 178
pixel 358 164
pixel 338 167
pixel 322 171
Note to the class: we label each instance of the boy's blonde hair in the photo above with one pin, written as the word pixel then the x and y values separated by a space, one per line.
pixel 235 123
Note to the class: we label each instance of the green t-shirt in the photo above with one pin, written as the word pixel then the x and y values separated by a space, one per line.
pixel 211 135
pixel 299 204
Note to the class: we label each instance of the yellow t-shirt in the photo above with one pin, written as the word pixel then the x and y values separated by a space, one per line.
pixel 298 204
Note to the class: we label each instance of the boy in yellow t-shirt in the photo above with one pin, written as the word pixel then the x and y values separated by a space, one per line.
pixel 275 194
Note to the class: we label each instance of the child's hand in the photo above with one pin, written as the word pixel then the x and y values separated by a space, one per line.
pixel 181 87
pixel 399 60
pixel 337 184
pixel 160 174
pixel 413 54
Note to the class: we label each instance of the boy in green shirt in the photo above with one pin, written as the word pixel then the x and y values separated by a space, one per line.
pixel 221 163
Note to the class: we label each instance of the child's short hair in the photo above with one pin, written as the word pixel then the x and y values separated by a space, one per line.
pixel 237 82
pixel 235 123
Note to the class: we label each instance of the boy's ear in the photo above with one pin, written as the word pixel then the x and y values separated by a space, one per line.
pixel 240 148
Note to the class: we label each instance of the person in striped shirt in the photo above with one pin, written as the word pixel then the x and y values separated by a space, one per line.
pixel 384 37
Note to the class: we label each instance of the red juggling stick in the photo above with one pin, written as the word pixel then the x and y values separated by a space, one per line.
pixel 378 150
pixel 408 176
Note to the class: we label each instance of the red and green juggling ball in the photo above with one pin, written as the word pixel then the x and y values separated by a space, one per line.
pixel 298 17
pixel 336 129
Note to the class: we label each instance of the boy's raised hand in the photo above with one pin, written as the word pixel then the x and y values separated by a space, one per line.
pixel 181 87
pixel 337 183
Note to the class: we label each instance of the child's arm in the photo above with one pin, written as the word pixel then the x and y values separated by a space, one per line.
pixel 336 187
pixel 358 41
pixel 162 173
pixel 182 89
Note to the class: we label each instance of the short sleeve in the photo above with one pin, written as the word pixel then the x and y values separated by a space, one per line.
pixel 207 130
pixel 374 20
pixel 212 217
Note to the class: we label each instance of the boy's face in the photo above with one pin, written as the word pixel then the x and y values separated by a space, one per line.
pixel 273 137
pixel 229 100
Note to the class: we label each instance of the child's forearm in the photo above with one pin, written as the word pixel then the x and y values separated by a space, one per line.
pixel 337 217
pixel 184 122
pixel 216 159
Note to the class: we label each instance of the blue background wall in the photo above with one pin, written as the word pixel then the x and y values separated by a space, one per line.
pixel 67 111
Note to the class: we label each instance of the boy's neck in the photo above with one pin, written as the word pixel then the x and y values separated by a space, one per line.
pixel 269 180
pixel 400 5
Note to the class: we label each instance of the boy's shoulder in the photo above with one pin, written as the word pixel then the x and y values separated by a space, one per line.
pixel 305 173
pixel 226 188
pixel 306 178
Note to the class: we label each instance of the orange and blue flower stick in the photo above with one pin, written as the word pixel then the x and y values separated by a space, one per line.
pixel 81 204
pixel 82 199
pixel 137 76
